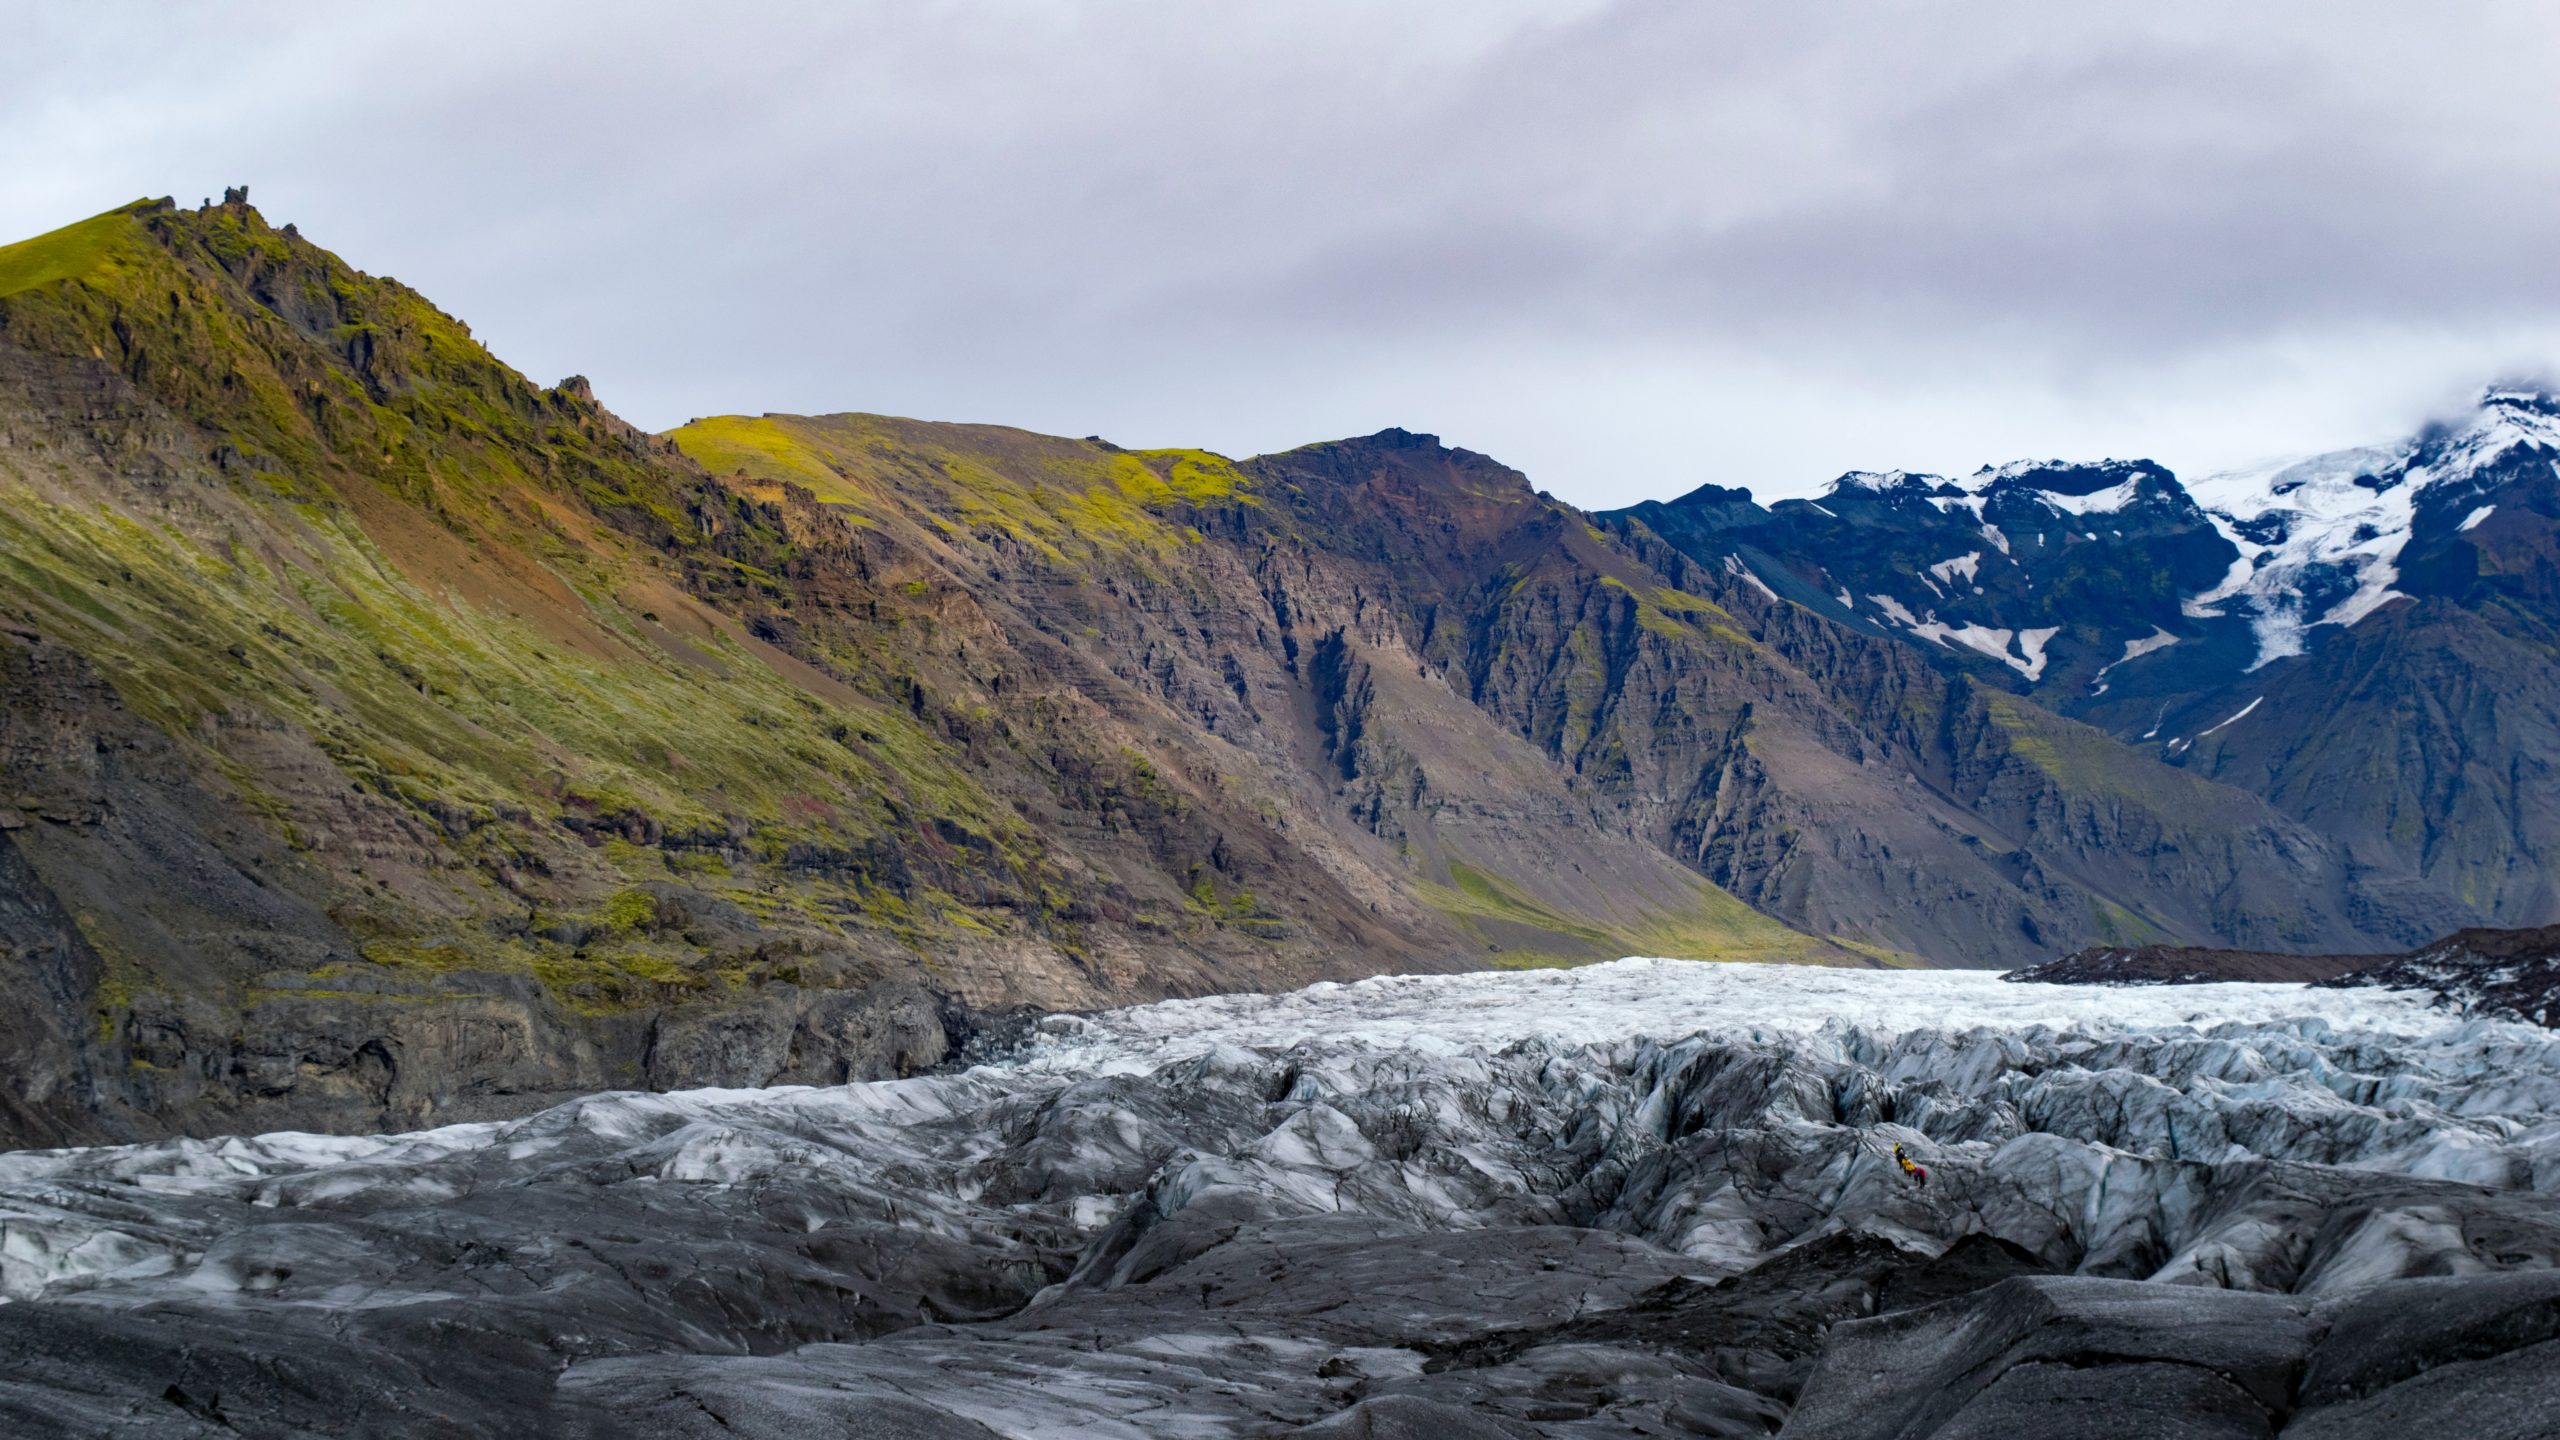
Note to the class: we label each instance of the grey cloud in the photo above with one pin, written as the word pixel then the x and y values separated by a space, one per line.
pixel 1627 244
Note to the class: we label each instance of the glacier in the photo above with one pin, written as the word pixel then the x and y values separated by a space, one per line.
pixel 1641 1198
pixel 2351 513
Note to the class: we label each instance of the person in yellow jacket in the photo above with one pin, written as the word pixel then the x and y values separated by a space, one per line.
pixel 1918 1172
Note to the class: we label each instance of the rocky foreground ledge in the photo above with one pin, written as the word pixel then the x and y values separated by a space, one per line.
pixel 1644 1198
pixel 2508 974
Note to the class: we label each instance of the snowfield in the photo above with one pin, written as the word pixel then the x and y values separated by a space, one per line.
pixel 1477 1201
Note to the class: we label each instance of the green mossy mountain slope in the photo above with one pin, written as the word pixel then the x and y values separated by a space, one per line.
pixel 389 738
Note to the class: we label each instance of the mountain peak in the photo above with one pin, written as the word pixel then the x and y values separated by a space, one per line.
pixel 2537 396
pixel 2066 477
pixel 1711 493
pixel 1884 482
pixel 2509 414
pixel 1396 437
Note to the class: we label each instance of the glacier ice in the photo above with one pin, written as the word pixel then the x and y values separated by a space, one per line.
pixel 1643 1197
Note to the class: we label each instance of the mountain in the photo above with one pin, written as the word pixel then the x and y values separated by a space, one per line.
pixel 2366 639
pixel 2405 691
pixel 389 739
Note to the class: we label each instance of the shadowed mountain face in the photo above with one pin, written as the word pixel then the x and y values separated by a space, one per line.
pixel 387 739
pixel 2366 639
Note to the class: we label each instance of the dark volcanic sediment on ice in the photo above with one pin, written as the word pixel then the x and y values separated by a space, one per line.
pixel 2509 974
pixel 390 740
pixel 2319 1226
pixel 2186 965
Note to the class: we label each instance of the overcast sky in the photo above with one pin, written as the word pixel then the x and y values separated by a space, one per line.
pixel 1625 245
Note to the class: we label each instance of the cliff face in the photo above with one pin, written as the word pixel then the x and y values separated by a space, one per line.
pixel 387 739
pixel 1834 780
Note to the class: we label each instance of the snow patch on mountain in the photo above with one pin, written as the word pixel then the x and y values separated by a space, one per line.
pixel 2031 645
pixel 1991 642
pixel 2102 502
pixel 2020 650
pixel 2027 657
pixel 2158 639
pixel 2234 720
pixel 1733 566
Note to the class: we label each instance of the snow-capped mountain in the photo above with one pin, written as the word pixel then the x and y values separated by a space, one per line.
pixel 2364 637
pixel 2067 573
pixel 2052 507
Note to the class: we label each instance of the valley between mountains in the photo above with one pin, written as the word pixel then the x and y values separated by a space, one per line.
pixel 388 740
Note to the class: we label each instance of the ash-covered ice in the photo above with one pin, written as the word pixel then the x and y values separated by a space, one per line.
pixel 1641 1198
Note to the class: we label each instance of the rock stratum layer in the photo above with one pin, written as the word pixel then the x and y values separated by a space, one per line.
pixel 1643 1198
pixel 386 739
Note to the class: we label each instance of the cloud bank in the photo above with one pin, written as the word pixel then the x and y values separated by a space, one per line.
pixel 1627 246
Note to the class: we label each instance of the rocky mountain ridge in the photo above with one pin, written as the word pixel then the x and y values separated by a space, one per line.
pixel 2109 557
pixel 2366 638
